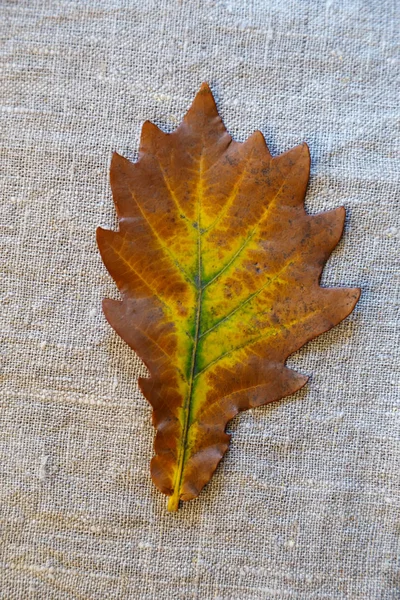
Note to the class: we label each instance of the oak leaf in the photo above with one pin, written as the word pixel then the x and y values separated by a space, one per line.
pixel 218 266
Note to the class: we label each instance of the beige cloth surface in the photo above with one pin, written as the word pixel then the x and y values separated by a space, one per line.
pixel 305 504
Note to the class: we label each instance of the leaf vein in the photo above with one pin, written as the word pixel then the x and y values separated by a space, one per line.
pixel 170 190
pixel 254 340
pixel 153 341
pixel 270 281
pixel 252 232
pixel 163 246
pixel 232 196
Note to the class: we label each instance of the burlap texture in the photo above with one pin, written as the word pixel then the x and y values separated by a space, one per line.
pixel 306 503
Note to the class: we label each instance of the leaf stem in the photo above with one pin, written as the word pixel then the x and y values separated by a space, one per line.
pixel 173 501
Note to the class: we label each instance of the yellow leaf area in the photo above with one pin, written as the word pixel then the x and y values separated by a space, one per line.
pixel 218 266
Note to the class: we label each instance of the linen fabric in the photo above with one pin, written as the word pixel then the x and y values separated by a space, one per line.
pixel 305 504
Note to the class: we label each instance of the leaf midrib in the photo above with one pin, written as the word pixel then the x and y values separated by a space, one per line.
pixel 173 503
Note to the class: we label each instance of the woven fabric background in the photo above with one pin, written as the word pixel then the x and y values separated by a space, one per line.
pixel 305 504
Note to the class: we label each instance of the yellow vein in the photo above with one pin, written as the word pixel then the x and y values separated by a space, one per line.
pixel 152 289
pixel 232 196
pixel 170 190
pixel 147 284
pixel 217 400
pixel 153 341
pixel 171 254
pixel 250 235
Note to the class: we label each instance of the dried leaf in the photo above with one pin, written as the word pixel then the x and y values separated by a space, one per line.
pixel 218 266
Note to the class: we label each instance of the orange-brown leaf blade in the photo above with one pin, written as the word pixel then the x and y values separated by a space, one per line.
pixel 218 266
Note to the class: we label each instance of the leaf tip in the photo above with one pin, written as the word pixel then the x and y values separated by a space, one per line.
pixel 111 309
pixel 257 139
pixel 340 214
pixel 356 294
pixel 117 163
pixel 205 88
pixel 150 129
pixel 203 107
pixel 305 146
pixel 302 380
pixel 299 155
pixel 353 295
pixel 100 236
pixel 115 157
pixel 304 151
